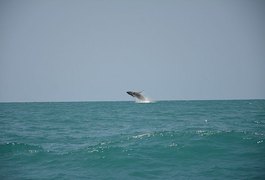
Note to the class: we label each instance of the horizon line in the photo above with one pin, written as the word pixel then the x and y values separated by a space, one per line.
pixel 76 101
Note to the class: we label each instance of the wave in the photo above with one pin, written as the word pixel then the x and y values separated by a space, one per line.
pixel 171 139
pixel 139 141
pixel 143 149
pixel 15 147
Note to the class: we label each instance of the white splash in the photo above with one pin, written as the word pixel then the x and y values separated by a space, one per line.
pixel 261 141
pixel 146 100
pixel 140 136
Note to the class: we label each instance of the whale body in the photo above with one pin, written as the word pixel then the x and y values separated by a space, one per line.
pixel 137 95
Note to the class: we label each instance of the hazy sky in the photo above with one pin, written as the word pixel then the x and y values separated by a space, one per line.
pixel 87 50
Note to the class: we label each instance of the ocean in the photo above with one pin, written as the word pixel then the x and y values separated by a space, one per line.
pixel 127 140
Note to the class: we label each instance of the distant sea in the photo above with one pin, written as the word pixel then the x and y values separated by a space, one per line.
pixel 127 140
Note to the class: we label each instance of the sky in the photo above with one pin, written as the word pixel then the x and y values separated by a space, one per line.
pixel 96 50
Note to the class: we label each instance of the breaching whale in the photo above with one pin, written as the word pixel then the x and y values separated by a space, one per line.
pixel 137 95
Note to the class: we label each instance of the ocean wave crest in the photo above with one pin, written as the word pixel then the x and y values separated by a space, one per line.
pixel 16 147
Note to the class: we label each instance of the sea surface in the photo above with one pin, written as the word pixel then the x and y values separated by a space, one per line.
pixel 128 140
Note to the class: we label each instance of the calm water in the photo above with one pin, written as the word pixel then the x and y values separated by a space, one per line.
pixel 126 140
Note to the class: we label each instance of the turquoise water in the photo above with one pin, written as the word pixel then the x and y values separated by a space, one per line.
pixel 126 140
